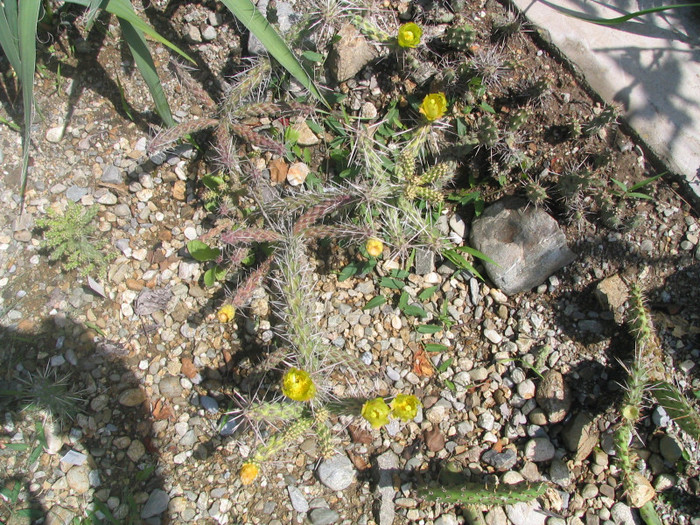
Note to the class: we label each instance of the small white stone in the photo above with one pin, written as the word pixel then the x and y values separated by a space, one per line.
pixel 492 336
pixel 190 233
pixel 297 173
pixel 55 134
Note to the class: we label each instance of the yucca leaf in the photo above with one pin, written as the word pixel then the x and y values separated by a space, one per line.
pixel 93 8
pixel 257 24
pixel 619 19
pixel 142 57
pixel 9 38
pixel 28 17
pixel 124 11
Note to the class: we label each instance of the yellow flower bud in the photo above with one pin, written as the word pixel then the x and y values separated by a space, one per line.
pixel 405 407
pixel 376 411
pixel 409 35
pixel 226 313
pixel 298 385
pixel 374 247
pixel 249 471
pixel 434 106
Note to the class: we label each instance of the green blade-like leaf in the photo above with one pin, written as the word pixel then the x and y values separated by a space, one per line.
pixel 390 282
pixel 428 329
pixel 644 182
pixel 435 347
pixel 619 19
pixel 427 293
pixel 476 253
pixel 415 311
pixel 142 56
pixel 9 38
pixel 28 17
pixel 374 302
pixel 124 10
pixel 93 8
pixel 257 24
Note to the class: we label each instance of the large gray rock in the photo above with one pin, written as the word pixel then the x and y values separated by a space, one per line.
pixel 349 54
pixel 387 466
pixel 525 242
pixel 336 473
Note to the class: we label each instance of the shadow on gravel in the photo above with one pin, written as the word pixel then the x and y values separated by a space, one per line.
pixel 117 439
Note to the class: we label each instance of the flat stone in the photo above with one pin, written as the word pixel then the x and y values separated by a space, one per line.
pixel 112 175
pixel 580 436
pixel 539 449
pixel 336 473
pixel 297 498
pixel 554 396
pixel 323 516
pixel 132 397
pixel 58 515
pixel 78 478
pixel 156 504
pixel 350 53
pixel 525 514
pixel 170 386
pixel 387 464
pixel 500 460
pixel 611 293
pixel 525 242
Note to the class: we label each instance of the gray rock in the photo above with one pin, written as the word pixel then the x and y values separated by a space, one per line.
pixel 539 449
pixel 660 417
pixel 255 46
pixel 298 500
pixel 554 396
pixel 612 293
pixel 78 478
pixel 496 516
pixel 75 193
pixel 209 404
pixel 156 504
pixel 112 175
pixel 336 473
pixel 424 262
pixel 525 514
pixel 208 33
pixel 525 242
pixel 500 460
pixel 446 519
pixel 559 473
pixel 349 54
pixel 170 386
pixel 670 449
pixel 580 436
pixel 58 515
pixel 621 514
pixel 323 516
pixel 387 464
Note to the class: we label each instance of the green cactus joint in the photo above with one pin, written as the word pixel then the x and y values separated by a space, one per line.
pixel 478 494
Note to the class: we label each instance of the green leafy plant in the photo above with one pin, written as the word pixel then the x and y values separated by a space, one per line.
pixel 70 237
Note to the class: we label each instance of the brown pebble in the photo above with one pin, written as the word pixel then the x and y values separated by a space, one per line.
pixel 179 190
pixel 165 235
pixel 188 368
pixel 434 439
pixel 134 284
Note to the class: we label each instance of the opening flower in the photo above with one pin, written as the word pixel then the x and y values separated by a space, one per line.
pixel 298 385
pixel 434 106
pixel 409 35
pixel 249 471
pixel 405 407
pixel 226 313
pixel 374 247
pixel 376 411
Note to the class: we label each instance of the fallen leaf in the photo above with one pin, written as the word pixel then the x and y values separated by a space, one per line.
pixel 163 410
pixel 359 462
pixel 434 439
pixel 278 170
pixel 422 366
pixel 188 368
pixel 359 435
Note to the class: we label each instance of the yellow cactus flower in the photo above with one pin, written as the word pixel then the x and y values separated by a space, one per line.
pixel 376 411
pixel 298 385
pixel 374 247
pixel 409 35
pixel 434 106
pixel 249 471
pixel 226 313
pixel 405 407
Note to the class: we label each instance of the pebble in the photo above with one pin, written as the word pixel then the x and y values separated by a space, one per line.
pixel 323 516
pixel 170 387
pixel 78 478
pixel 336 473
pixel 55 134
pixel 132 397
pixel 156 504
pixel 621 514
pixel 554 396
pixel 539 450
pixel 298 500
pixel 493 336
pixel 504 460
pixel 670 449
pixel 525 514
pixel 75 193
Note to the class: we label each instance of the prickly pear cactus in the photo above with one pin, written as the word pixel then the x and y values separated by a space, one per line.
pixel 478 494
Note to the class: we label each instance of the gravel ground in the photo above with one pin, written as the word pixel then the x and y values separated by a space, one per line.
pixel 527 390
